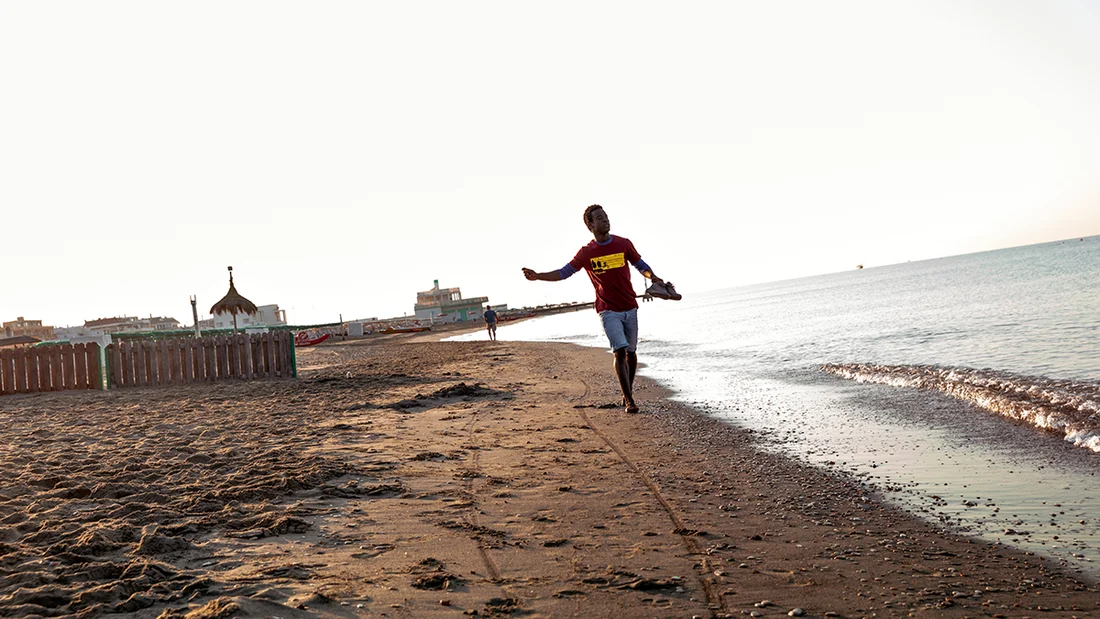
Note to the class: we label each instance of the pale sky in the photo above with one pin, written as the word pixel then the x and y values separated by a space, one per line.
pixel 342 155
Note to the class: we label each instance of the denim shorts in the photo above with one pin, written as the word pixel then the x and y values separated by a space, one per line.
pixel 621 328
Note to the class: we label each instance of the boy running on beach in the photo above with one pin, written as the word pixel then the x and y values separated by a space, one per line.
pixel 490 322
pixel 605 260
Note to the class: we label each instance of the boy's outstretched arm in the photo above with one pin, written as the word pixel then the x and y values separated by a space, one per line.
pixel 549 276
pixel 647 272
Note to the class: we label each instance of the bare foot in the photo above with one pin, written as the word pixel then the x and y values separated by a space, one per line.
pixel 631 407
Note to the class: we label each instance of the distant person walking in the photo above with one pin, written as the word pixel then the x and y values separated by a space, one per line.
pixel 490 322
pixel 605 259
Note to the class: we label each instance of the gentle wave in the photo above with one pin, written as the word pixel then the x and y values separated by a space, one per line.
pixel 1067 407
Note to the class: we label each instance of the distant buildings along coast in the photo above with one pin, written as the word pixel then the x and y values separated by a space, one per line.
pixel 447 305
pixel 28 328
pixel 96 330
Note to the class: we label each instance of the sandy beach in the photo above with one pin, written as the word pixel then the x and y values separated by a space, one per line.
pixel 404 477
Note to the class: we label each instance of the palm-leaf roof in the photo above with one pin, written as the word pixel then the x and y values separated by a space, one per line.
pixel 233 302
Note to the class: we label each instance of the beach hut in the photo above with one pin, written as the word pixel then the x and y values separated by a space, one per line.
pixel 233 303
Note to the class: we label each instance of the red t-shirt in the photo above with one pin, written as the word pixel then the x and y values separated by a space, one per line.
pixel 608 268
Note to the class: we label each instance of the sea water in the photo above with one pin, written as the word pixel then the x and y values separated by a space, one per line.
pixel 966 389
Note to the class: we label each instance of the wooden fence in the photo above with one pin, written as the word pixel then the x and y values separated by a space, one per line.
pixel 50 368
pixel 145 363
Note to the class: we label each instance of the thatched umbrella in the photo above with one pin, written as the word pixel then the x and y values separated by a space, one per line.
pixel 233 303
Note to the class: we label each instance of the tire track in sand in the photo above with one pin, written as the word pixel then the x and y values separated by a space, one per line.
pixel 715 602
pixel 474 471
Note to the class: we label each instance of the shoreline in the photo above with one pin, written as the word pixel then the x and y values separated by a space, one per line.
pixel 958 490
pixel 523 495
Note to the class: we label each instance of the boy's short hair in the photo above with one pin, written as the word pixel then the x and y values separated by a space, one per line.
pixel 588 211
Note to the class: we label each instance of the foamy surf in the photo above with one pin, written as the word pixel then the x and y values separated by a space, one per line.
pixel 1067 407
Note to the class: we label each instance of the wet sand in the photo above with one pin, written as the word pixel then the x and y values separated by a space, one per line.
pixel 399 477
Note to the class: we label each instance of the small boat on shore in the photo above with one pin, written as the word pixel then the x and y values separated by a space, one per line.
pixel 303 339
pixel 508 317
pixel 411 329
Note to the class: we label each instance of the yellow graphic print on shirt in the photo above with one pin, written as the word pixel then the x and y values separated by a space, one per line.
pixel 606 263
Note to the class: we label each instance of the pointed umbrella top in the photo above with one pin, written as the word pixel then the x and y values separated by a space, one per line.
pixel 233 302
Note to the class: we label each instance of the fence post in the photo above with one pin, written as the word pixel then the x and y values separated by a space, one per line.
pixel 20 363
pixel 79 357
pixel 267 353
pixel 150 362
pixel 209 353
pixel 188 360
pixel 234 355
pixel 57 372
pixel 129 360
pixel 129 364
pixel 293 357
pixel 175 362
pixel 222 344
pixel 7 372
pixel 43 368
pixel 198 360
pixel 68 362
pixel 163 364
pixel 279 368
pixel 254 348
pixel 98 366
pixel 37 370
pixel 139 363
pixel 244 347
pixel 32 370
pixel 267 347
pixel 54 356
pixel 114 367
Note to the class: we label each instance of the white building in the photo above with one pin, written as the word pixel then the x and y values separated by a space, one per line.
pixel 447 305
pixel 265 316
pixel 120 324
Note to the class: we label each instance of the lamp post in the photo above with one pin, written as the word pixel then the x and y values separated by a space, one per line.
pixel 195 315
